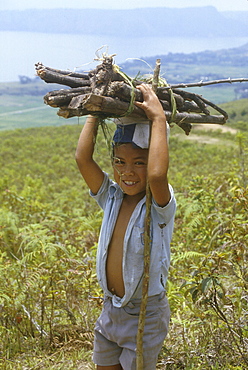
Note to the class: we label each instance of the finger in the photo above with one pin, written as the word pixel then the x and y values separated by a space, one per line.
pixel 143 86
pixel 138 104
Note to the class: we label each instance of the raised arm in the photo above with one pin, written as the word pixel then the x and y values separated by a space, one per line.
pixel 89 169
pixel 158 158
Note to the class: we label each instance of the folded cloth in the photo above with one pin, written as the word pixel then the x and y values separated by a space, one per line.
pixel 137 133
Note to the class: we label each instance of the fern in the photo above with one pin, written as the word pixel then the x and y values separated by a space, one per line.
pixel 186 255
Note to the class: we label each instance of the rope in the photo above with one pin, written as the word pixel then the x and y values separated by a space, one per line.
pixel 173 106
pixel 147 248
pixel 130 82
pixel 172 100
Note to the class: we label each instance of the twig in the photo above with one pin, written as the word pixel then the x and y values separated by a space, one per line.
pixel 214 304
pixel 61 72
pixel 155 79
pixel 34 322
pixel 206 83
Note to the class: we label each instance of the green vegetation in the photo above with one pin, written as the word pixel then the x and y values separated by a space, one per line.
pixel 193 67
pixel 22 106
pixel 49 229
pixel 48 236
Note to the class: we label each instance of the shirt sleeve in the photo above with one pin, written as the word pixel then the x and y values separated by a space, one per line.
pixel 167 212
pixel 102 195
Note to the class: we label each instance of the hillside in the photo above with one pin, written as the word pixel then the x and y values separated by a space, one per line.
pixel 49 225
pixel 185 22
pixel 49 228
pixel 222 60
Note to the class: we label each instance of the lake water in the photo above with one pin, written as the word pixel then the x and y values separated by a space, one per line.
pixel 21 50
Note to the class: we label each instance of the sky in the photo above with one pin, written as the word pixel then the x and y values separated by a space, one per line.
pixel 221 5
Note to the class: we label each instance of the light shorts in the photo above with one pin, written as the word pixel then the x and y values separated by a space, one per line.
pixel 116 333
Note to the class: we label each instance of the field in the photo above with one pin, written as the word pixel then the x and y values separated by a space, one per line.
pixel 49 228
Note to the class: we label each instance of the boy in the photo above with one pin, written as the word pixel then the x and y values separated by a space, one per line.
pixel 120 249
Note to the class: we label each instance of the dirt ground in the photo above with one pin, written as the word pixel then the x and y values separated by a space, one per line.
pixel 195 134
pixel 209 126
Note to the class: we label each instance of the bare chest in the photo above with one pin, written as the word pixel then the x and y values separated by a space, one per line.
pixel 115 251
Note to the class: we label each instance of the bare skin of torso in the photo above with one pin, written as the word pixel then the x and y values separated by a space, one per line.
pixel 114 270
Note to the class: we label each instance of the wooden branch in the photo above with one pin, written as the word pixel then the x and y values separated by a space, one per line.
pixel 62 72
pixel 106 92
pixel 155 79
pixel 188 107
pixel 215 107
pixel 107 107
pixel 102 76
pixel 104 104
pixel 65 112
pixel 166 105
pixel 50 76
pixel 123 91
pixel 164 95
pixel 197 118
pixel 60 98
pixel 205 83
pixel 193 97
pixel 63 97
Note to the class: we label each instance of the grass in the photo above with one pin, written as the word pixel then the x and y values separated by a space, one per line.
pixel 49 152
pixel 68 357
pixel 24 111
pixel 216 94
pixel 45 183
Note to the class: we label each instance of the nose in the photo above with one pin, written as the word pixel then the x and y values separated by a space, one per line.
pixel 128 170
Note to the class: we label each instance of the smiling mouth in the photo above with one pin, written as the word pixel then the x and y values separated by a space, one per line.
pixel 130 183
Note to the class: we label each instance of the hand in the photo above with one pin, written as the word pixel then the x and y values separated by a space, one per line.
pixel 151 104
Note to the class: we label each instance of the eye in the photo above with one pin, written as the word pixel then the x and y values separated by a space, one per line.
pixel 140 163
pixel 118 162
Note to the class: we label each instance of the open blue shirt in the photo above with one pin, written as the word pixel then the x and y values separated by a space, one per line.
pixel 109 198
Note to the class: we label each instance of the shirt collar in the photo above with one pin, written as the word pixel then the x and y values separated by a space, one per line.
pixel 115 191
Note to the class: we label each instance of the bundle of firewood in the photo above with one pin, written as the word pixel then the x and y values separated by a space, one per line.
pixel 107 92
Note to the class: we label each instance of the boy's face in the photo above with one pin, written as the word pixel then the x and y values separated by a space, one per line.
pixel 130 169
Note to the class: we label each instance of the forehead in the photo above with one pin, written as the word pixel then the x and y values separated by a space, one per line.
pixel 129 151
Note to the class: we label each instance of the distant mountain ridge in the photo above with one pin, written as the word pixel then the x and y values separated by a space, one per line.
pixel 236 57
pixel 144 22
pixel 180 67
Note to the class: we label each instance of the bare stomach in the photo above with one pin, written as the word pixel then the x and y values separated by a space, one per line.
pixel 114 271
